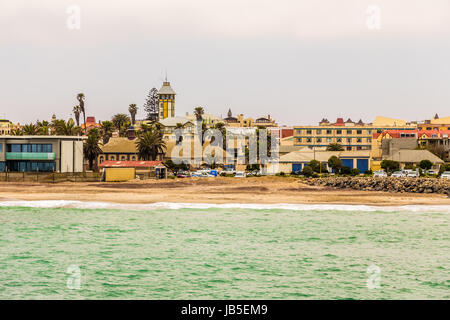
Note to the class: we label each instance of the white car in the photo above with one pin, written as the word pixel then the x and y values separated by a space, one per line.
pixel 413 174
pixel 432 171
pixel 398 174
pixel 380 173
pixel 240 174
pixel 445 175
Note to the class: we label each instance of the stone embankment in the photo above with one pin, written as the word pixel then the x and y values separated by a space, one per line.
pixel 390 184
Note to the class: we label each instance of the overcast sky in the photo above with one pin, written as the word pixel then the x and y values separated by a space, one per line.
pixel 297 60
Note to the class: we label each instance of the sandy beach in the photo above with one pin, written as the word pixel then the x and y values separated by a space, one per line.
pixel 262 190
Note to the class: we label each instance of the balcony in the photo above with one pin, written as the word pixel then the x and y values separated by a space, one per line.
pixel 30 156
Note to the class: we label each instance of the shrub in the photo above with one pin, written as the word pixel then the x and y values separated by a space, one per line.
pixel 425 164
pixel 346 170
pixel 307 171
pixel 355 172
pixel 390 165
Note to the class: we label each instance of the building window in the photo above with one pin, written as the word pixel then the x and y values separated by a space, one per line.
pixel 359 140
pixel 298 139
pixel 328 131
pixel 349 131
pixel 358 148
pixel 1 147
pixel 101 159
pixel 133 158
pixel 308 139
pixel 112 158
pixel 319 131
pixel 319 139
pixel 349 140
pixel 308 131
pixel 123 158
pixel 358 131
pixel 339 140
pixel 369 131
pixel 369 140
pixel 338 131
pixel 349 148
pixel 328 140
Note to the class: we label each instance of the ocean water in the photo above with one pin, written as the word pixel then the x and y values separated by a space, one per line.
pixel 75 250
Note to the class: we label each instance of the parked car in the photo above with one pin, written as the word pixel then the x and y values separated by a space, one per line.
pixel 413 174
pixel 202 174
pixel 380 174
pixel 240 174
pixel 398 174
pixel 432 171
pixel 445 175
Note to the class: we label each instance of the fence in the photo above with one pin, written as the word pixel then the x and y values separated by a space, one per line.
pixel 50 177
pixel 57 177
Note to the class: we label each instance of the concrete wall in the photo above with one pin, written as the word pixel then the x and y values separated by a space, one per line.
pixel 78 156
pixel 119 174
pixel 66 156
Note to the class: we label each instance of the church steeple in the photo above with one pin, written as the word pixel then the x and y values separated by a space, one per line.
pixel 229 113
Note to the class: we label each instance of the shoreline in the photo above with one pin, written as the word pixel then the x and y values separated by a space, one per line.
pixel 262 190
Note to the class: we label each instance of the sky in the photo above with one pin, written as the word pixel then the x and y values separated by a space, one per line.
pixel 296 60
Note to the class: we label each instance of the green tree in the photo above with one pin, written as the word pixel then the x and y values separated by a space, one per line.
pixel 346 170
pixel 390 165
pixel 151 105
pixel 150 144
pixel 120 120
pixel 425 164
pixel 80 98
pixel 91 149
pixel 199 112
pixel 76 112
pixel 317 166
pixel 63 128
pixel 335 163
pixel 44 128
pixel 132 109
pixel 335 147
pixel 106 130
pixel 30 130
pixel 175 168
pixel 355 172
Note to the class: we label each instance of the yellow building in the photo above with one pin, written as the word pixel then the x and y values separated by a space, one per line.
pixel 351 135
pixel 241 121
pixel 5 127
pixel 166 101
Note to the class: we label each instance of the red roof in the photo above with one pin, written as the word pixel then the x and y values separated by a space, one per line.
pixel 129 164
pixel 339 122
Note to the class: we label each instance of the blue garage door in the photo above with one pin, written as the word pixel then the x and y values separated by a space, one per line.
pixel 296 167
pixel 347 163
pixel 362 165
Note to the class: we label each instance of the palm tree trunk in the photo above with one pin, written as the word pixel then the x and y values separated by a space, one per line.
pixel 84 118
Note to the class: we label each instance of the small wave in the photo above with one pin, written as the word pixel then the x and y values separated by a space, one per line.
pixel 252 206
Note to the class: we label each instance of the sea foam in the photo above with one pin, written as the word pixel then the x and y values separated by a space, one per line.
pixel 250 206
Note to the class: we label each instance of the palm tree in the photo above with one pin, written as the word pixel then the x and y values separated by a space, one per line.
pixel 132 109
pixel 16 132
pixel 199 112
pixel 335 147
pixel 76 111
pixel 63 128
pixel 119 120
pixel 81 98
pixel 30 130
pixel 91 149
pixel 43 128
pixel 106 131
pixel 150 144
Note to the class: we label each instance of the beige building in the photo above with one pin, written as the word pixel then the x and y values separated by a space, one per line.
pixel 351 135
pixel 5 127
pixel 166 101
pixel 241 121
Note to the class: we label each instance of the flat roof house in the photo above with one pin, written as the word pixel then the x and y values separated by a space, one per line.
pixel 41 153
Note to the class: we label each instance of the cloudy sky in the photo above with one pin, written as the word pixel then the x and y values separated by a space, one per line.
pixel 297 60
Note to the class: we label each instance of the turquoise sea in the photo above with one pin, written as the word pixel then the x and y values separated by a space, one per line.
pixel 169 251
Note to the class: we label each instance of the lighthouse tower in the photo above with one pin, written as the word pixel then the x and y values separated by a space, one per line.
pixel 166 101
